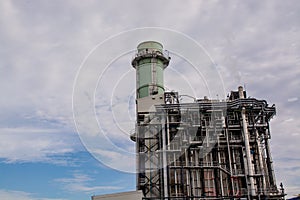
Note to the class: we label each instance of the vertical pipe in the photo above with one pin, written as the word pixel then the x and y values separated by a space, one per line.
pixel 269 164
pixel 247 144
pixel 197 173
pixel 212 171
pixel 137 83
pixel 181 176
pixel 165 164
pixel 138 160
pixel 230 160
pixel 175 176
pixel 220 172
pixel 202 178
pixel 153 86
pixel 261 164
pixel 186 171
pixel 193 173
pixel 234 152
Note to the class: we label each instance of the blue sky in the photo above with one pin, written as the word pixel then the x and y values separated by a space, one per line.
pixel 44 43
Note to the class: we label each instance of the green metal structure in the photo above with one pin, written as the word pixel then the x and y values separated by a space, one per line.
pixel 150 62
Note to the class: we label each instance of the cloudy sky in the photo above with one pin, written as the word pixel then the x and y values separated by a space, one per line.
pixel 50 49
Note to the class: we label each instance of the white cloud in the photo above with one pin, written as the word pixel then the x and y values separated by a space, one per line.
pixel 116 158
pixel 81 183
pixel 292 99
pixel 28 144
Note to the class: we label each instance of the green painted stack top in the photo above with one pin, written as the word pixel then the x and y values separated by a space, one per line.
pixel 150 62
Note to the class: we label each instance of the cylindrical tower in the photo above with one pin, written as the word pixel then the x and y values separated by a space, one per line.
pixel 150 62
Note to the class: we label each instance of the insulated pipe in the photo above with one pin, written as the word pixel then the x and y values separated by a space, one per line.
pixel 247 144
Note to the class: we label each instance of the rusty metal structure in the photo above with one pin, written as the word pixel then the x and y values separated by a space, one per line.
pixel 207 149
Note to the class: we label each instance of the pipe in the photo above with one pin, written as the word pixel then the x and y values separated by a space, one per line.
pixel 175 177
pixel 269 163
pixel 165 164
pixel 220 173
pixel 230 160
pixel 187 171
pixel 261 164
pixel 247 144
pixel 197 174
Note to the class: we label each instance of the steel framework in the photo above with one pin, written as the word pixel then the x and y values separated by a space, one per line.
pixel 208 149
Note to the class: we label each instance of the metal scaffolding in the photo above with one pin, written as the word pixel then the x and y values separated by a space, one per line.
pixel 209 149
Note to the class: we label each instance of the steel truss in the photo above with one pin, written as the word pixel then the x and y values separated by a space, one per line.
pixel 206 150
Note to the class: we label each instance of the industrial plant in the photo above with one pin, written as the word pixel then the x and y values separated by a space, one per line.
pixel 205 149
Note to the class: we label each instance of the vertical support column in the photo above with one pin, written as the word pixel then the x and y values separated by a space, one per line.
pixel 247 145
pixel 269 162
pixel 137 160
